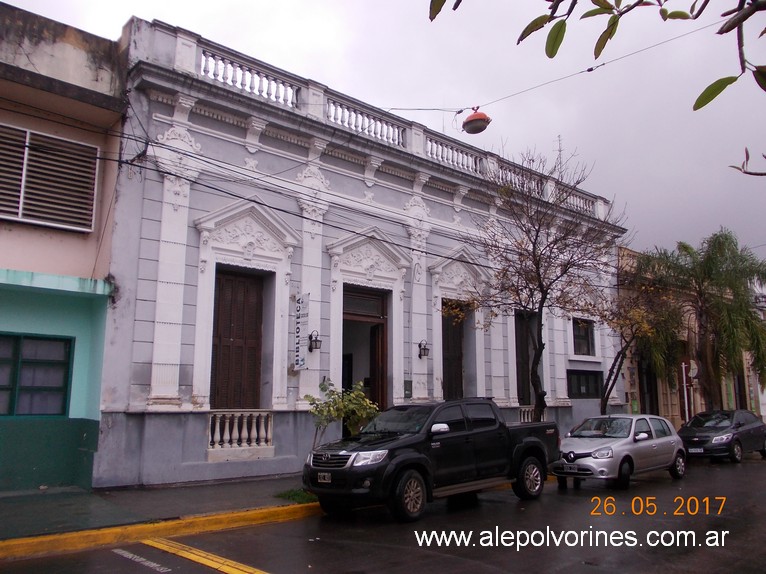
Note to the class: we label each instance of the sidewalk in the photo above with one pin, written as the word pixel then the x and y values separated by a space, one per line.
pixel 70 519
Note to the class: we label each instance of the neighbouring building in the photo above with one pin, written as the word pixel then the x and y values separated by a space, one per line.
pixel 678 398
pixel 61 108
pixel 261 233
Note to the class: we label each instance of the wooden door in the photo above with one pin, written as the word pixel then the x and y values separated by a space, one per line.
pixel 378 387
pixel 452 354
pixel 237 324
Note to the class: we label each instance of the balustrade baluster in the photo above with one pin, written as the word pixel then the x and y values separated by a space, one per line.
pixel 247 77
pixel 261 431
pixel 239 76
pixel 259 85
pixel 247 430
pixel 238 431
pixel 226 430
pixel 204 64
pixel 216 431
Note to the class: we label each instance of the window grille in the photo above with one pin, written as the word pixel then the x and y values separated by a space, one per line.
pixel 582 331
pixel 35 375
pixel 584 384
pixel 47 180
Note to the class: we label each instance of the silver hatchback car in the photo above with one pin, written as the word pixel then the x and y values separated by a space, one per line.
pixel 614 447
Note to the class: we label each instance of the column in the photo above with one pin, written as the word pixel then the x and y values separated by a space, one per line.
pixel 175 156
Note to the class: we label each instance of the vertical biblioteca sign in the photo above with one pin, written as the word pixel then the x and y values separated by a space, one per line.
pixel 301 330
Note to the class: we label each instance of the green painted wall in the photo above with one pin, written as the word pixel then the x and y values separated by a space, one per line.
pixel 45 312
pixel 44 450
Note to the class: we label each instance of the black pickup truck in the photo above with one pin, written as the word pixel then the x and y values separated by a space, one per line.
pixel 411 454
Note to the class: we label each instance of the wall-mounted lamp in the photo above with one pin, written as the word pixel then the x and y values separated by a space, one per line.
pixel 315 342
pixel 423 349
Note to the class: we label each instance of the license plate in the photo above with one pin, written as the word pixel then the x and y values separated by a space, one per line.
pixel 696 451
pixel 570 468
pixel 324 477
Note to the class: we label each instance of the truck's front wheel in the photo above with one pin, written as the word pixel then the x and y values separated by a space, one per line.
pixel 529 480
pixel 408 499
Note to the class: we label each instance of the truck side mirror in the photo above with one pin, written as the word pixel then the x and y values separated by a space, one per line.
pixel 439 428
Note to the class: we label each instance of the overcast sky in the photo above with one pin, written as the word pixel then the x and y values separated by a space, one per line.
pixel 630 121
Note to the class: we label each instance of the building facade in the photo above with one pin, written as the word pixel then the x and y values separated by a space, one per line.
pixel 61 107
pixel 679 397
pixel 270 233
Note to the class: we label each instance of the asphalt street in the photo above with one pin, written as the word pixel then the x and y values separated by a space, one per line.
pixel 711 521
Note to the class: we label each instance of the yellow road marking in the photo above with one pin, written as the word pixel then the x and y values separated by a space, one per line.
pixel 201 557
pixel 15 548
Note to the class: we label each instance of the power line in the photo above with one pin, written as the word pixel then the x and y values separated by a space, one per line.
pixel 458 110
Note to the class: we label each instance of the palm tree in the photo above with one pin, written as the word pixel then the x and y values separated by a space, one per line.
pixel 716 286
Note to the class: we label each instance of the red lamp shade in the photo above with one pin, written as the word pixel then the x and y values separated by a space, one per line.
pixel 477 122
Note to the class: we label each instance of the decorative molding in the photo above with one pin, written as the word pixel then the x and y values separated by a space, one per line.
pixel 419 229
pixel 313 206
pixel 183 106
pixel 313 178
pixel 420 180
pixel 369 254
pixel 417 208
pixel 316 147
pixel 371 166
pixel 460 192
pixel 346 156
pixel 176 154
pixel 418 236
pixel 398 172
pixel 255 127
pixel 369 260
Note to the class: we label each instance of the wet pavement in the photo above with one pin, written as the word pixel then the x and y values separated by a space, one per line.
pixel 77 514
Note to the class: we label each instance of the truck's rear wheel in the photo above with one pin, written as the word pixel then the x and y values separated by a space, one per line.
pixel 529 480
pixel 408 499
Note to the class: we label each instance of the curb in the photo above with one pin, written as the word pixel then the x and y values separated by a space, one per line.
pixel 34 546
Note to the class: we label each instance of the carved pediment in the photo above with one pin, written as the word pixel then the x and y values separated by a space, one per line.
pixel 371 254
pixel 248 230
pixel 460 271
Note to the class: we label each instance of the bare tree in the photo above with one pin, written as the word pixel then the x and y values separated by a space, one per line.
pixel 549 248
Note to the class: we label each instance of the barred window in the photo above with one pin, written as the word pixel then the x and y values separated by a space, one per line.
pixel 47 180
pixel 35 375
pixel 583 337
pixel 584 384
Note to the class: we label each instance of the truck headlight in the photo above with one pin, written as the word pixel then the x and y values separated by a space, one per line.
pixel 371 457
pixel 723 438
pixel 602 453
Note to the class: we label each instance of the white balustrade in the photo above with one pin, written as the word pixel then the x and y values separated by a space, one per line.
pixel 240 429
pixel 581 203
pixel 527 414
pixel 249 79
pixel 271 85
pixel 365 123
pixel 453 155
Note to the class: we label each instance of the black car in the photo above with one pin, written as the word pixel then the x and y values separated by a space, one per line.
pixel 724 433
pixel 412 454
